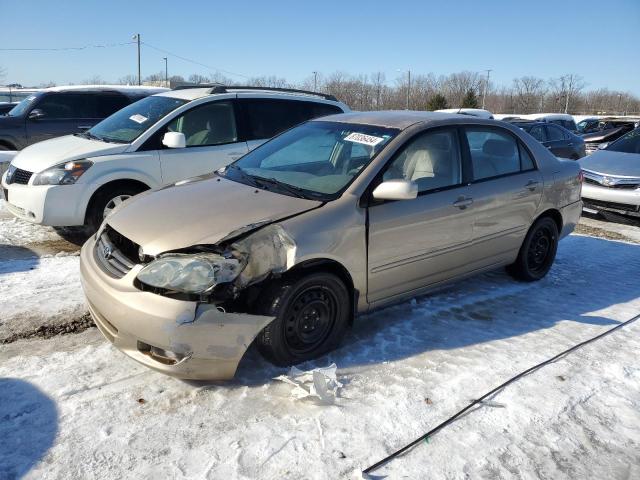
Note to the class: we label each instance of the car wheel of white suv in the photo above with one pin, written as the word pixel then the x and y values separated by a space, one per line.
pixel 106 200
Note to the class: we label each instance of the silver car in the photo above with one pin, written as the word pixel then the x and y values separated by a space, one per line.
pixel 331 219
pixel 612 177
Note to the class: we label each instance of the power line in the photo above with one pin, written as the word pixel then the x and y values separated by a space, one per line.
pixel 60 49
pixel 209 67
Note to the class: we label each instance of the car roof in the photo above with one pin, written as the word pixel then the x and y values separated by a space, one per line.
pixel 549 116
pixel 126 89
pixel 394 118
pixel 193 93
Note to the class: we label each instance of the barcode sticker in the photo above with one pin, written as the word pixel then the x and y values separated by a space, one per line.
pixel 363 139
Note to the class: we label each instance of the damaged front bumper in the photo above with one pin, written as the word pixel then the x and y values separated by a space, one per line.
pixel 185 339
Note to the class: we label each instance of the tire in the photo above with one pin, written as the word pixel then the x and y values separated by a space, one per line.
pixel 537 253
pixel 312 315
pixel 108 197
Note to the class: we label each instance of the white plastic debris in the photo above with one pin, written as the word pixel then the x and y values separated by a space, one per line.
pixel 319 382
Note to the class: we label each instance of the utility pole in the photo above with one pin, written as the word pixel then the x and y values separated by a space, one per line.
pixel 315 81
pixel 408 71
pixel 486 85
pixel 137 37
pixel 166 73
pixel 378 93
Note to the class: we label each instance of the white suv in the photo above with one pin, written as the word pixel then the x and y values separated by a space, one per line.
pixel 78 179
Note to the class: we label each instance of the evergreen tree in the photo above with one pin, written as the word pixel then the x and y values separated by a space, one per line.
pixel 437 102
pixel 470 100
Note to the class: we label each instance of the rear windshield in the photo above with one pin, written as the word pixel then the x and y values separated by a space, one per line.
pixel 630 143
pixel 127 124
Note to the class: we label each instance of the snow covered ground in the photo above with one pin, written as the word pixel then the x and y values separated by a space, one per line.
pixel 74 407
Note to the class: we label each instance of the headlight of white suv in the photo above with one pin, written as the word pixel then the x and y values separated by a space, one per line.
pixel 189 273
pixel 63 174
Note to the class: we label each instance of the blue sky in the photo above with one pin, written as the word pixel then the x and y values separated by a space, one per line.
pixel 595 39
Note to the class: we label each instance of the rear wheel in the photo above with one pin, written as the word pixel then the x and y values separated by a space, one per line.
pixel 312 314
pixel 538 251
pixel 106 200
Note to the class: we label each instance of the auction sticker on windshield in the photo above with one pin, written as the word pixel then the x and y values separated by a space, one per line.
pixel 363 139
pixel 138 118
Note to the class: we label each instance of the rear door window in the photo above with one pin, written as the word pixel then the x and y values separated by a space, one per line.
pixel 68 105
pixel 554 134
pixel 110 103
pixel 494 153
pixel 537 132
pixel 269 117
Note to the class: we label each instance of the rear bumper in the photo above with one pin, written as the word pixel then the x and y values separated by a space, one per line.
pixel 183 339
pixel 617 200
pixel 570 217
pixel 55 205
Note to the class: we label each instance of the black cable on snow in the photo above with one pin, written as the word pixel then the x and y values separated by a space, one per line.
pixel 453 418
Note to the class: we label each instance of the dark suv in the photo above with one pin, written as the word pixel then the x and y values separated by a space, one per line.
pixel 560 141
pixel 58 111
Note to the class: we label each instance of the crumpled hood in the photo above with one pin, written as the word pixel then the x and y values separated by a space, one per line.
pixel 200 211
pixel 43 155
pixel 608 162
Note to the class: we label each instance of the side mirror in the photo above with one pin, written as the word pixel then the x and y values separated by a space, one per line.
pixel 174 140
pixel 396 190
pixel 36 114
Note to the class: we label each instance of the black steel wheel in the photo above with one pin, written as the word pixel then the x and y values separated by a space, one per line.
pixel 311 313
pixel 538 251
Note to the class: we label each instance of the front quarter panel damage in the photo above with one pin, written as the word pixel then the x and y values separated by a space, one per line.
pixel 270 250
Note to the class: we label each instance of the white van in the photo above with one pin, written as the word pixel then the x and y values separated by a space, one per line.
pixel 78 179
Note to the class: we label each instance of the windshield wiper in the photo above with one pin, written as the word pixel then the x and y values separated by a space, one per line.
pixel 243 175
pixel 292 189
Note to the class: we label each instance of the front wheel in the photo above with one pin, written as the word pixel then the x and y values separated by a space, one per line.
pixel 537 253
pixel 312 314
pixel 105 201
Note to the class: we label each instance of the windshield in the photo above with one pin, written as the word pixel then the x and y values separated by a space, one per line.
pixel 127 124
pixel 22 107
pixel 313 160
pixel 630 143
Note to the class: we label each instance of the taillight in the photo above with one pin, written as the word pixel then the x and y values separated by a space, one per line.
pixel 581 176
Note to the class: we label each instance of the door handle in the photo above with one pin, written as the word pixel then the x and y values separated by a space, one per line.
pixel 532 185
pixel 84 127
pixel 463 202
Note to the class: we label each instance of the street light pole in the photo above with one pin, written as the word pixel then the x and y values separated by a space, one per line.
pixel 315 81
pixel 408 87
pixel 486 85
pixel 408 71
pixel 166 73
pixel 137 37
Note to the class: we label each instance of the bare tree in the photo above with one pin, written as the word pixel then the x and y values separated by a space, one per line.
pixel 197 78
pixel 128 80
pixel 528 94
pixel 95 80
pixel 456 86
pixel 565 91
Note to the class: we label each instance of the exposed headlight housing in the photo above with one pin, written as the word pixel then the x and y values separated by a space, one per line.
pixel 63 174
pixel 189 273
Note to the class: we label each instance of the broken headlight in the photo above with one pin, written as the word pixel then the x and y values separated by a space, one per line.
pixel 189 273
